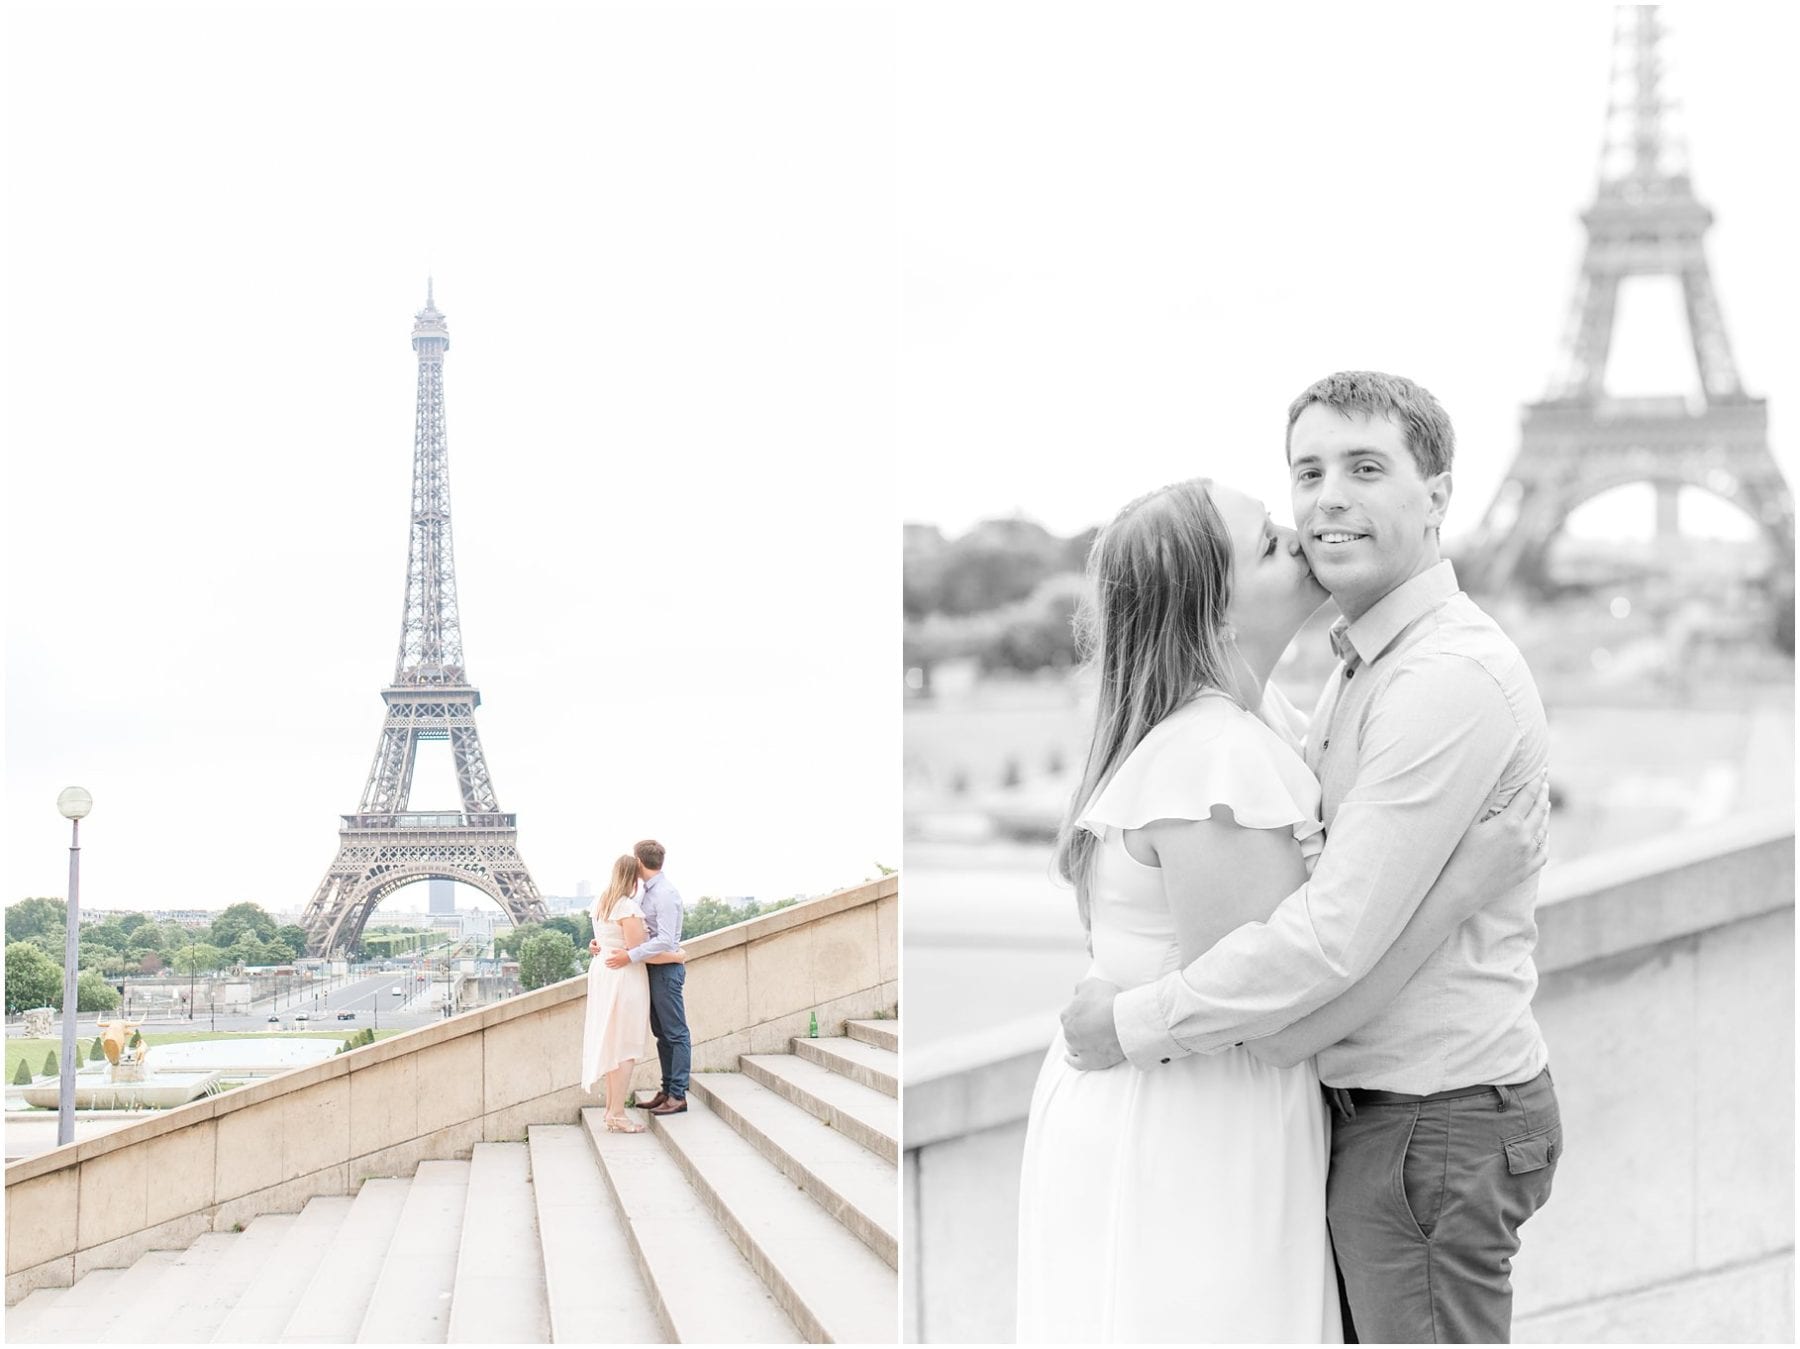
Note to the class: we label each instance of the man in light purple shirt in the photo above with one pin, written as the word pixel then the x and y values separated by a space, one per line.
pixel 1447 1130
pixel 661 903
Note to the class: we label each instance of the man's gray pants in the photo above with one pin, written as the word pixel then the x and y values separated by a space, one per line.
pixel 1425 1200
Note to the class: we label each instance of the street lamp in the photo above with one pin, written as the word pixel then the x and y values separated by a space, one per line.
pixel 74 803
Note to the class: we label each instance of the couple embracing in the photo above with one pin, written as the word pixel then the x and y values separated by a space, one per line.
pixel 635 983
pixel 1301 1096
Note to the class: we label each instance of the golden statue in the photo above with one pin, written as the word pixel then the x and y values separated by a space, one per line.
pixel 121 1043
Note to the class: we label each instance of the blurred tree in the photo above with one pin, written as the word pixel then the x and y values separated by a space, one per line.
pixel 239 918
pixel 94 994
pixel 29 917
pixel 200 958
pixel 32 978
pixel 544 958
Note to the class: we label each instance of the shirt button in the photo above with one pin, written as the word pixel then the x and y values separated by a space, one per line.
pixel 1348 672
pixel 1327 745
pixel 1165 1060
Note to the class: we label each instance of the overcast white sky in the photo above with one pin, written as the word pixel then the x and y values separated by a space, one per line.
pixel 663 237
pixel 1132 233
pixel 686 412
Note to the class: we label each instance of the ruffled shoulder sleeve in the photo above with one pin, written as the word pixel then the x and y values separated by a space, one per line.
pixel 626 907
pixel 1210 753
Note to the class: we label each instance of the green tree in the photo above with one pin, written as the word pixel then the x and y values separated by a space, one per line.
pixel 246 950
pixel 51 1066
pixel 29 917
pixel 544 958
pixel 22 1076
pixel 292 936
pixel 32 978
pixel 239 919
pixel 710 914
pixel 94 994
pixel 507 943
pixel 200 958
pixel 579 926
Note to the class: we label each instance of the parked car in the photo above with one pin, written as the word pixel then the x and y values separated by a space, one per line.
pixel 399 992
pixel 301 1016
pixel 274 1021
pixel 346 1016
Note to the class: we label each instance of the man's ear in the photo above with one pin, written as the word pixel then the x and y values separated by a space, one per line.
pixel 1437 499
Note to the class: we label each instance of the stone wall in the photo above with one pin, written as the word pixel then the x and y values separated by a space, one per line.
pixel 1667 999
pixel 430 1093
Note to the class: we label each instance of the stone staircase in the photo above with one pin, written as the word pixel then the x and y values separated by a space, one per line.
pixel 767 1213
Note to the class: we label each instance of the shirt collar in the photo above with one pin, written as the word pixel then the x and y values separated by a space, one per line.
pixel 1394 613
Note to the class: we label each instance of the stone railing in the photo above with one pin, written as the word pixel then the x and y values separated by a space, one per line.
pixel 430 1093
pixel 1666 996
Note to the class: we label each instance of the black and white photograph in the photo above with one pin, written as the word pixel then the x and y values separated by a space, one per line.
pixel 452 771
pixel 1348 712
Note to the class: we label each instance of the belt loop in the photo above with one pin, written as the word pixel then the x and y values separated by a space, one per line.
pixel 1341 1102
pixel 1507 1096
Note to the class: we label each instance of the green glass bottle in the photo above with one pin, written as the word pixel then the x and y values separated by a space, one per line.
pixel 812 1028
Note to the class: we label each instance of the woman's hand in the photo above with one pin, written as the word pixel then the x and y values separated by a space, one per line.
pixel 1505 849
pixel 1494 855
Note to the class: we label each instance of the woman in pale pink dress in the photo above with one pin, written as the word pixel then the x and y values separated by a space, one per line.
pixel 617 1032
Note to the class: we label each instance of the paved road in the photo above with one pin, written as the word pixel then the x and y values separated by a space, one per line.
pixel 370 996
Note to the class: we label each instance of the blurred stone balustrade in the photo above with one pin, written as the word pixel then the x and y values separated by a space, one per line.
pixel 1667 996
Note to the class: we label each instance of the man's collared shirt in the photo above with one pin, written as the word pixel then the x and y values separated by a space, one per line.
pixel 661 903
pixel 1430 722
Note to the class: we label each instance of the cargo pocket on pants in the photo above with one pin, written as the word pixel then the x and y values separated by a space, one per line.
pixel 1533 1151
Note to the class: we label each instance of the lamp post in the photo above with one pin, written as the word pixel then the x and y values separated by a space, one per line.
pixel 74 803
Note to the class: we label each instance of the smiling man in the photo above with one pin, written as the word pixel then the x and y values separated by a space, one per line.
pixel 1447 1130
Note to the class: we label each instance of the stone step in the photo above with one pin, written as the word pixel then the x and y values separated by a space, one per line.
pixel 91 1312
pixel 63 1319
pixel 185 1306
pixel 704 1290
pixel 848 1181
pixel 23 1313
pixel 834 1288
pixel 870 1117
pixel 411 1301
pixel 261 1313
pixel 594 1288
pixel 865 1063
pixel 219 1267
pixel 332 1308
pixel 499 1296
pixel 883 1034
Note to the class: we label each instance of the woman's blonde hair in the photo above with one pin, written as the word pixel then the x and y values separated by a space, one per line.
pixel 623 879
pixel 1153 624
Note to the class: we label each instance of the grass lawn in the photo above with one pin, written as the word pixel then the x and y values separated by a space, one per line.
pixel 33 1051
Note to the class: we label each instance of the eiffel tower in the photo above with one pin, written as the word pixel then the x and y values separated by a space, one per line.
pixel 1578 441
pixel 384 845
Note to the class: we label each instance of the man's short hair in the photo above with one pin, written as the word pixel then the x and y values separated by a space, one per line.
pixel 1429 435
pixel 650 853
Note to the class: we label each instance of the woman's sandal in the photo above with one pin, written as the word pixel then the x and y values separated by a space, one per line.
pixel 622 1126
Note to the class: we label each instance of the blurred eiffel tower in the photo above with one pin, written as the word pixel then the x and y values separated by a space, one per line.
pixel 1579 442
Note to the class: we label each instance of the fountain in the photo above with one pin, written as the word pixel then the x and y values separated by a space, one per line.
pixel 126 1082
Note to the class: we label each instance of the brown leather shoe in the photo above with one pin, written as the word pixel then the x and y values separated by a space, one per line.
pixel 654 1101
pixel 675 1105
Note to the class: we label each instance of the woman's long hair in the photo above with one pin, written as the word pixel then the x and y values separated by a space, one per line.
pixel 1153 623
pixel 624 877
